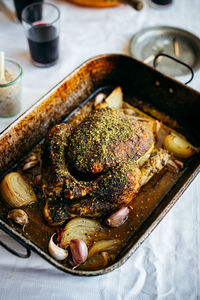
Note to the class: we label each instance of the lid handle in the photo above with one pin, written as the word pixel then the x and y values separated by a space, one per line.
pixel 176 60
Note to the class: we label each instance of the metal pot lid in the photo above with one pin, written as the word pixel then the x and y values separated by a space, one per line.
pixel 178 43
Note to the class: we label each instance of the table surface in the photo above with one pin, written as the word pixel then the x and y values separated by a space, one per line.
pixel 167 265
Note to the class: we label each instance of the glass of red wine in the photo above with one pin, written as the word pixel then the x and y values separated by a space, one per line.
pixel 41 22
pixel 20 4
pixel 161 3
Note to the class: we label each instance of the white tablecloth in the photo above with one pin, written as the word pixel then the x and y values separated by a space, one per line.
pixel 167 265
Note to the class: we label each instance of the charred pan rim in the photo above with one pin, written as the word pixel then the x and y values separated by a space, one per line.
pixel 126 253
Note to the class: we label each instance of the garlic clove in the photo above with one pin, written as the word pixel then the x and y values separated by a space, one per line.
pixel 19 216
pixel 179 163
pixel 100 97
pixel 38 179
pixel 172 166
pixel 30 164
pixel 119 217
pixel 55 251
pixel 79 251
pixel 31 158
pixel 160 133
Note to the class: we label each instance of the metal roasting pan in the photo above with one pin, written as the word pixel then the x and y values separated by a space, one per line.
pixel 136 79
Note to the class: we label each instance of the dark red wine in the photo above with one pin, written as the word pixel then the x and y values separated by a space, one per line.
pixel 20 4
pixel 43 43
pixel 162 2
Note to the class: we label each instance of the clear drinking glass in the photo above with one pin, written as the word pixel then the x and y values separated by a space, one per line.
pixel 41 22
pixel 20 4
pixel 10 89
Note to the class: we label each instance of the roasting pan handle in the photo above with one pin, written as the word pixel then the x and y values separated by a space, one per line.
pixel 176 60
pixel 21 255
pixel 18 254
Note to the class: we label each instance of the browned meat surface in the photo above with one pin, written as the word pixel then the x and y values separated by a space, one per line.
pixel 111 190
pixel 92 169
pixel 105 139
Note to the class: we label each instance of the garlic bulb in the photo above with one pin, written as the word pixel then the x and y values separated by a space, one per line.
pixel 55 251
pixel 15 191
pixel 79 251
pixel 119 217
pixel 178 146
pixel 19 216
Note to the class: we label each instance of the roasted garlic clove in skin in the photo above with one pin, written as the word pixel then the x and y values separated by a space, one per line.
pixel 79 251
pixel 172 166
pixel 55 251
pixel 30 165
pixel 119 217
pixel 38 179
pixel 19 216
pixel 100 97
pixel 31 158
pixel 15 191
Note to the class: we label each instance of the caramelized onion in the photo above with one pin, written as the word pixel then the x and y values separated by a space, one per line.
pixel 178 146
pixel 80 228
pixel 15 191
pixel 145 157
pixel 95 262
pixel 115 99
pixel 101 246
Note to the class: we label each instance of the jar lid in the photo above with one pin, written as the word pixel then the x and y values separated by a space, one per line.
pixel 176 42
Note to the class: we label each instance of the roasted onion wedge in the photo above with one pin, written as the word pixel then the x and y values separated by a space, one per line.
pixel 155 163
pixel 15 191
pixel 96 262
pixel 115 99
pixel 145 157
pixel 180 147
pixel 101 246
pixel 80 228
